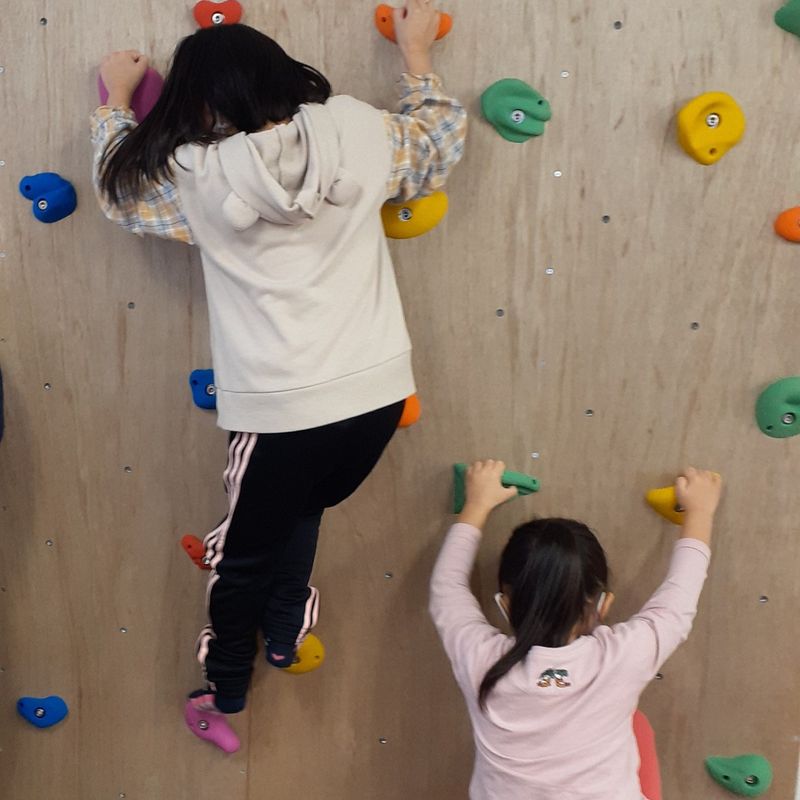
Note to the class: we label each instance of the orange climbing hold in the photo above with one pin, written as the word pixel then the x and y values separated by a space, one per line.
pixel 195 550
pixel 787 224
pixel 384 22
pixel 411 412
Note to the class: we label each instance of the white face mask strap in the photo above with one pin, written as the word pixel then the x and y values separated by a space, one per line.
pixel 498 598
pixel 601 600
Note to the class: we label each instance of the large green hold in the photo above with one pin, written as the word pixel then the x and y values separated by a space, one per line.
pixel 778 409
pixel 517 111
pixel 788 17
pixel 524 484
pixel 748 776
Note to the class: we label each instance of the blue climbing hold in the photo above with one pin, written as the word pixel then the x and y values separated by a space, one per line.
pixel 43 712
pixel 53 196
pixel 204 392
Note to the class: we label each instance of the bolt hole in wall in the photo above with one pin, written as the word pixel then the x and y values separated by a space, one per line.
pixel 43 21
pixel 500 312
pixel 618 25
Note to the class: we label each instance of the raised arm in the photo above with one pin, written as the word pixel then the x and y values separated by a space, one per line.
pixel 456 612
pixel 428 134
pixel 650 637
pixel 156 211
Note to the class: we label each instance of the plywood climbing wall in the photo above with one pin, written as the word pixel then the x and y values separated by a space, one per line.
pixel 528 311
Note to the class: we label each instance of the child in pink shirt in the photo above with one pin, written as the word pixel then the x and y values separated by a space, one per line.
pixel 552 706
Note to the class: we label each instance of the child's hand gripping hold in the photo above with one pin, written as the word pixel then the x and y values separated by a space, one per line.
pixel 485 492
pixel 122 72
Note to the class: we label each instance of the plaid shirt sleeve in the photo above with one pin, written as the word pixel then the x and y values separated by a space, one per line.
pixel 157 212
pixel 427 137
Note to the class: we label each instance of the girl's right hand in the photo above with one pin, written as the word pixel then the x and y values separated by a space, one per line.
pixel 416 25
pixel 698 492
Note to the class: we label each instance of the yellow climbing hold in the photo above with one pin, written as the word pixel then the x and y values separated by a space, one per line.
pixel 407 220
pixel 665 502
pixel 709 126
pixel 310 655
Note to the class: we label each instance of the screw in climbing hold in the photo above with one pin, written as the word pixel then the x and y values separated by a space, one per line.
pixel 203 725
pixel 713 120
pixel 39 713
pixel 518 116
pixel 789 418
pixel 206 560
pixel 211 389
pixel 405 214
pixel 218 18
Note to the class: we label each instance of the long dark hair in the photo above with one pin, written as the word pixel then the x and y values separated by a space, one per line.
pixel 549 569
pixel 229 72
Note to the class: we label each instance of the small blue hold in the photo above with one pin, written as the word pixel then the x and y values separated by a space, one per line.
pixel 43 712
pixel 53 197
pixel 204 392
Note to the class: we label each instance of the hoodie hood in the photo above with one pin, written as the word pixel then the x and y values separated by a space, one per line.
pixel 285 174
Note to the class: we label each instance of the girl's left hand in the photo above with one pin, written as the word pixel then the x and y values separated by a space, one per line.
pixel 122 72
pixel 485 491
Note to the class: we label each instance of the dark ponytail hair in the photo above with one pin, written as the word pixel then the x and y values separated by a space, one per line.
pixel 229 72
pixel 550 568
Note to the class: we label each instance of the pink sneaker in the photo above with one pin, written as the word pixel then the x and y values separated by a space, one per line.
pixel 210 725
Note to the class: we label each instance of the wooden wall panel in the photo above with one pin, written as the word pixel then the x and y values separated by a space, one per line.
pixel 608 330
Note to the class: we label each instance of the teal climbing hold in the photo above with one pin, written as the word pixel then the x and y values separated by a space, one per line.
pixel 517 111
pixel 788 17
pixel 747 776
pixel 778 409
pixel 524 484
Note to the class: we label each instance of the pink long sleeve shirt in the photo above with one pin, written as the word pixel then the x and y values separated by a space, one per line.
pixel 558 725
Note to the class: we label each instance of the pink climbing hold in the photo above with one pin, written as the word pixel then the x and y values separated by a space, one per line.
pixel 145 96
pixel 211 726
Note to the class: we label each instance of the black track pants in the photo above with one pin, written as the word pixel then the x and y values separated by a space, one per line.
pixel 262 553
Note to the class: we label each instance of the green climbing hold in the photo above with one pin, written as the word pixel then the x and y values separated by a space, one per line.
pixel 778 409
pixel 517 111
pixel 748 776
pixel 524 484
pixel 788 17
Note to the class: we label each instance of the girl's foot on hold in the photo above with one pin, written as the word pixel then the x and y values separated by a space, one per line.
pixel 206 721
pixel 280 655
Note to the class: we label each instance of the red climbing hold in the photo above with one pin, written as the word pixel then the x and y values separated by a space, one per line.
pixel 210 13
pixel 195 550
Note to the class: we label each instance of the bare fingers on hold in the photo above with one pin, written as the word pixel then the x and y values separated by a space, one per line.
pixel 484 484
pixel 416 26
pixel 123 70
pixel 699 490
